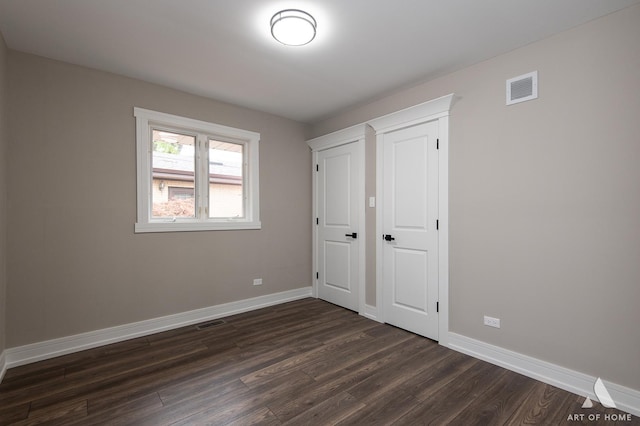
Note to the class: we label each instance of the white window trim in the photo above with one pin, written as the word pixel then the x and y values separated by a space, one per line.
pixel 145 119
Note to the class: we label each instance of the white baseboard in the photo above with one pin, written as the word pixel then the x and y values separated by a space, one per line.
pixel 371 312
pixel 3 365
pixel 34 352
pixel 626 399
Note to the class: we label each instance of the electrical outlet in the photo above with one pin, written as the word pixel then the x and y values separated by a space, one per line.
pixel 257 281
pixel 492 322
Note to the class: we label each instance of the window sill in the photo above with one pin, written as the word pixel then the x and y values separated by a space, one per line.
pixel 194 226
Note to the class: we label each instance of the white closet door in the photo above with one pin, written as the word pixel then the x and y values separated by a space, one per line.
pixel 410 246
pixel 338 197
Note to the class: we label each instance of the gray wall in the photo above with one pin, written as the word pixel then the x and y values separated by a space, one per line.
pixel 545 197
pixel 370 216
pixel 3 191
pixel 74 262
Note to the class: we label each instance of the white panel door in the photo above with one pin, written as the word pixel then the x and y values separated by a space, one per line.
pixel 410 246
pixel 338 197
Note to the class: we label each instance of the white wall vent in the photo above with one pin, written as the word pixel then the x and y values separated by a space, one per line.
pixel 522 88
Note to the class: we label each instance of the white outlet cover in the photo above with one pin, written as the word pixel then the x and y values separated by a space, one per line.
pixel 492 322
pixel 257 281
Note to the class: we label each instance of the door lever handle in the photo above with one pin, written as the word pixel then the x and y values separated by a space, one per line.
pixel 353 235
pixel 388 237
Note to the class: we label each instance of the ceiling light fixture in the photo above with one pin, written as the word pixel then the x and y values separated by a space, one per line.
pixel 293 27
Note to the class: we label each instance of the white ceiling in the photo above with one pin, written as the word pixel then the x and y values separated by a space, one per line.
pixel 223 48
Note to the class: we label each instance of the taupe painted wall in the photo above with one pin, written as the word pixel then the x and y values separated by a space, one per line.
pixel 545 197
pixel 3 190
pixel 370 216
pixel 74 262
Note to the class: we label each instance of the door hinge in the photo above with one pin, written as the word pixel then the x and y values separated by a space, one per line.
pixel 437 143
pixel 317 221
pixel 317 275
pixel 437 224
pixel 437 306
pixel 317 168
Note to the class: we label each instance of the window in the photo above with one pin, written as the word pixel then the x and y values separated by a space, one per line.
pixel 194 176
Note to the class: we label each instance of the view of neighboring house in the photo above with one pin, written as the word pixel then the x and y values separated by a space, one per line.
pixel 173 164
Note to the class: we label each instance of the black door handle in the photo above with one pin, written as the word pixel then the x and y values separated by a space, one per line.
pixel 388 237
pixel 353 235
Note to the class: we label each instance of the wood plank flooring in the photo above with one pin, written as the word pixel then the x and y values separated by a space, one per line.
pixel 301 363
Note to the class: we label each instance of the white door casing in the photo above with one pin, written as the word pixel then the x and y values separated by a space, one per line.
pixel 338 208
pixel 410 215
pixel 338 225
pixel 434 110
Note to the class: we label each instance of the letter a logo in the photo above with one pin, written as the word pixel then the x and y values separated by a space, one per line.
pixel 603 395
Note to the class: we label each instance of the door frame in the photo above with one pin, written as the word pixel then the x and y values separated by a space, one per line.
pixel 434 110
pixel 354 134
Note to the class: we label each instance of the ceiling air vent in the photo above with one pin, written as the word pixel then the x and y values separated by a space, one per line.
pixel 522 88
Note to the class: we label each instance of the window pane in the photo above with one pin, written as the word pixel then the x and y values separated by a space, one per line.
pixel 226 193
pixel 173 168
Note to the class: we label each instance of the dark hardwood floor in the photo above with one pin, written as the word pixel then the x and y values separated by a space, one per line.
pixel 304 362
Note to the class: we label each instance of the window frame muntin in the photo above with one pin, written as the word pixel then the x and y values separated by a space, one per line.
pixel 146 121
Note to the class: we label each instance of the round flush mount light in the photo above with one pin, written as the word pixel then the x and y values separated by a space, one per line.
pixel 293 27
